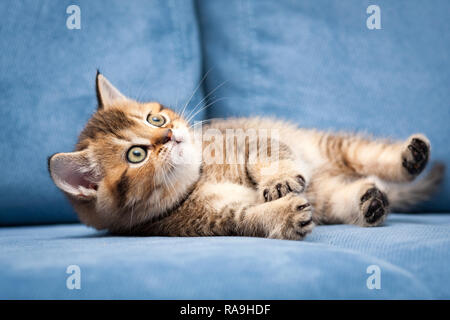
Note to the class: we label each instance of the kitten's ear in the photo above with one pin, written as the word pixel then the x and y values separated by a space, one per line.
pixel 107 94
pixel 73 173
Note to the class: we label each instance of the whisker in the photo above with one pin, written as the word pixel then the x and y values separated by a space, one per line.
pixel 208 105
pixel 195 90
pixel 141 88
pixel 172 186
pixel 167 181
pixel 201 101
pixel 131 216
pixel 199 123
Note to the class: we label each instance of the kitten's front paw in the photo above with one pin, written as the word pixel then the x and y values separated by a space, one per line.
pixel 279 187
pixel 295 218
pixel 416 154
pixel 374 207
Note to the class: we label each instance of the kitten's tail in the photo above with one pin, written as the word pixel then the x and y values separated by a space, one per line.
pixel 405 195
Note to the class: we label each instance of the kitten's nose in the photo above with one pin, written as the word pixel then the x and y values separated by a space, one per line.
pixel 166 136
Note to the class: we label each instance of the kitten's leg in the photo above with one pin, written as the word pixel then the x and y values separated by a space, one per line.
pixel 278 179
pixel 289 217
pixel 342 199
pixel 399 161
pixel 277 175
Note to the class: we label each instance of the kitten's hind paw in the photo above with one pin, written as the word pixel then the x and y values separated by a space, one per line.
pixel 415 157
pixel 374 207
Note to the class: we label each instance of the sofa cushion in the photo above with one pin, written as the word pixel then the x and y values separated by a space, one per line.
pixel 148 49
pixel 411 252
pixel 317 64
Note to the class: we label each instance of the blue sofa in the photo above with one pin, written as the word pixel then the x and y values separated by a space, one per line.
pixel 313 62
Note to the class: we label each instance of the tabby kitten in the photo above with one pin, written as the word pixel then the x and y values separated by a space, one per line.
pixel 140 169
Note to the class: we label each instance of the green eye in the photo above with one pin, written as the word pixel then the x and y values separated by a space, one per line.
pixel 136 154
pixel 157 120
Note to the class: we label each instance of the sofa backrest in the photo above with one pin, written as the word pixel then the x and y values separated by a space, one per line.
pixel 314 62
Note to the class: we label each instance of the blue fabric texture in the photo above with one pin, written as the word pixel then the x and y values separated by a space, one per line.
pixel 317 64
pixel 149 49
pixel 312 62
pixel 410 250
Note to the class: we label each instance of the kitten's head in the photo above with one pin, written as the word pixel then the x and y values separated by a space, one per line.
pixel 132 163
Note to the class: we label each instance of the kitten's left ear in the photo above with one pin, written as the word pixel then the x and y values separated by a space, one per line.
pixel 74 174
pixel 107 94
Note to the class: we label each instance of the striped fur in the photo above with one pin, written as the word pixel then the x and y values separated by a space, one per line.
pixel 318 177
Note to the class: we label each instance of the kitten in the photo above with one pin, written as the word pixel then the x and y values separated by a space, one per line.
pixel 141 169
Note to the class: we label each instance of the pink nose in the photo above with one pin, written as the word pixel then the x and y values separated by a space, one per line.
pixel 177 137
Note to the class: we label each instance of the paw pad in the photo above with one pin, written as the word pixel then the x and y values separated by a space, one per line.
pixel 280 187
pixel 416 156
pixel 374 205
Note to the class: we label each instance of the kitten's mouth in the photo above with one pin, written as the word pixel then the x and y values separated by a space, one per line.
pixel 178 149
pixel 177 144
pixel 173 153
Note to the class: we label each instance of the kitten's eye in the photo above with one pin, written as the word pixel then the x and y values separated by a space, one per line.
pixel 157 120
pixel 136 154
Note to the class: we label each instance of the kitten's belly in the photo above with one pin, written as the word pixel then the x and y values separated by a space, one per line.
pixel 303 143
pixel 223 193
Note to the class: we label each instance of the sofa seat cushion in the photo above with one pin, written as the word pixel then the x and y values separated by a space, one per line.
pixel 411 251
